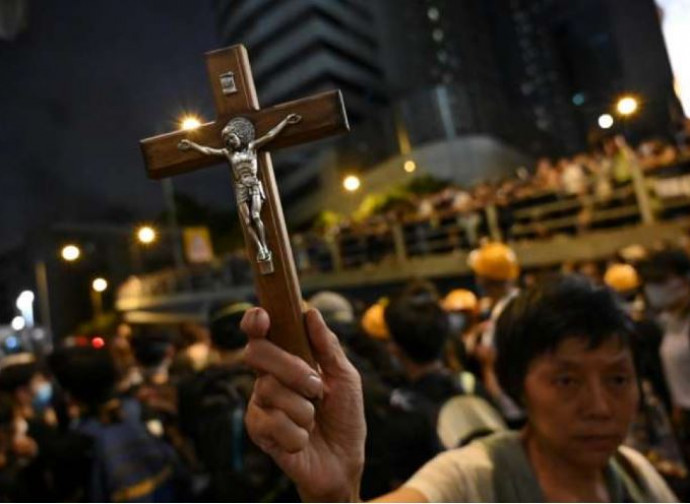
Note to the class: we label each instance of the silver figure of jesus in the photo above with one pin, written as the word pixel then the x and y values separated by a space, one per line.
pixel 240 150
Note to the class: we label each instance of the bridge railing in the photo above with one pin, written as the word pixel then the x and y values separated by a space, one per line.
pixel 665 188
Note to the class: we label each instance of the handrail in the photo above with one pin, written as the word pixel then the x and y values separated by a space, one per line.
pixel 572 201
pixel 363 246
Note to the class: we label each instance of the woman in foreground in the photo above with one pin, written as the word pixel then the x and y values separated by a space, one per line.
pixel 564 354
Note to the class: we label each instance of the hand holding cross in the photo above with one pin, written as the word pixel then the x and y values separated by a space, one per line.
pixel 234 136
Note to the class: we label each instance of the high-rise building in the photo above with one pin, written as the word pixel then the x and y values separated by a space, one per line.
pixel 14 16
pixel 300 47
pixel 608 48
pixel 643 63
pixel 449 43
pixel 534 75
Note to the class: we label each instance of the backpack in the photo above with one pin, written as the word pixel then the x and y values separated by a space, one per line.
pixel 128 463
pixel 212 408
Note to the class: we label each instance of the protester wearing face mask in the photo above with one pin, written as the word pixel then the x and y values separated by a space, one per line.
pixel 564 353
pixel 651 432
pixel 17 451
pixel 462 308
pixel 22 377
pixel 667 289
pixel 30 431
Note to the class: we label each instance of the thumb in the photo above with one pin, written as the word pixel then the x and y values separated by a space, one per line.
pixel 255 323
pixel 327 350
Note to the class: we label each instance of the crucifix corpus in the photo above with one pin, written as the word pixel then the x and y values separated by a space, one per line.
pixel 238 136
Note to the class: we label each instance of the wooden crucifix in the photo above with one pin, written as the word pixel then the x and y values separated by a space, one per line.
pixel 237 136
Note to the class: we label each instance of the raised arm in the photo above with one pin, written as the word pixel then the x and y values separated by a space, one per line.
pixel 276 130
pixel 185 145
pixel 310 422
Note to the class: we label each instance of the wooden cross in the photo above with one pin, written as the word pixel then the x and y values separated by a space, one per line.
pixel 320 116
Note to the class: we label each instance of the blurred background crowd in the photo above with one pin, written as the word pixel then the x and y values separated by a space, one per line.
pixel 155 412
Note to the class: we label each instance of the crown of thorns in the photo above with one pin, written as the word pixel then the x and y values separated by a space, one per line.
pixel 242 127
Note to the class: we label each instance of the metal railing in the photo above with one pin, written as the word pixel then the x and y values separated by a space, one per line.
pixel 381 241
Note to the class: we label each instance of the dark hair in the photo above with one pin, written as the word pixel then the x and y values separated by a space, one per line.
pixel 418 325
pixel 542 317
pixel 88 374
pixel 16 376
pixel 150 345
pixel 663 264
pixel 6 410
pixel 224 323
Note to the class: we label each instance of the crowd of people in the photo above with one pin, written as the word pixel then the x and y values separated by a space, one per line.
pixel 590 176
pixel 157 413
pixel 569 387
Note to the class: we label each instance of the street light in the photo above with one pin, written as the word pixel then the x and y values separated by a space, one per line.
pixel 25 305
pixel 70 253
pixel 18 323
pixel 99 284
pixel 351 183
pixel 627 105
pixel 190 122
pixel 605 121
pixel 146 235
pixel 409 166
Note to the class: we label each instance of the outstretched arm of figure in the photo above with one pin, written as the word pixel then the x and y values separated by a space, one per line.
pixel 185 145
pixel 275 131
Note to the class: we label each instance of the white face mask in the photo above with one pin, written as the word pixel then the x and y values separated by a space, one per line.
pixel 457 322
pixel 668 294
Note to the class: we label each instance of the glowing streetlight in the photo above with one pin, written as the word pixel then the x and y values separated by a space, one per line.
pixel 25 305
pixel 627 105
pixel 99 284
pixel 70 253
pixel 146 235
pixel 409 166
pixel 605 121
pixel 18 323
pixel 351 183
pixel 190 122
pixel 25 300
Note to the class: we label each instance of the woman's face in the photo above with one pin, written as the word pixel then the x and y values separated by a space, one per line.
pixel 581 401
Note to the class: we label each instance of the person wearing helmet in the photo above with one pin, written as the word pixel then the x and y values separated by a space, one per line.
pixel 667 289
pixel 651 432
pixel 622 278
pixel 373 323
pixel 496 271
pixel 625 281
pixel 564 354
pixel 462 307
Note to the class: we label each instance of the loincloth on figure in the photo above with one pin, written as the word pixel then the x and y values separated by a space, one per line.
pixel 246 190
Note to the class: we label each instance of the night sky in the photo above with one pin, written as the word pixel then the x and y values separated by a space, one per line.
pixel 78 89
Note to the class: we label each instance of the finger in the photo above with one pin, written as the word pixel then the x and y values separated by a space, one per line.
pixel 269 393
pixel 272 430
pixel 255 323
pixel 295 374
pixel 327 350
